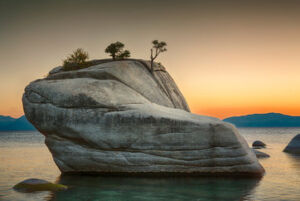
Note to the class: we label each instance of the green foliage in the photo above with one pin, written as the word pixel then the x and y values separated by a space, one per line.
pixel 124 54
pixel 77 60
pixel 116 51
pixel 158 47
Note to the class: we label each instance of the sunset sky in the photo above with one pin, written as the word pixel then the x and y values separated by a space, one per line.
pixel 227 57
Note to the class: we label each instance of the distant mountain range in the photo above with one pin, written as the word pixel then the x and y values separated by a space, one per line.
pixel 8 123
pixel 265 120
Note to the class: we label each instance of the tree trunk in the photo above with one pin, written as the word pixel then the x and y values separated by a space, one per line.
pixel 151 67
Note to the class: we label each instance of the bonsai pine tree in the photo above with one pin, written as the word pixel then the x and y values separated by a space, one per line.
pixel 116 51
pixel 124 54
pixel 76 60
pixel 157 48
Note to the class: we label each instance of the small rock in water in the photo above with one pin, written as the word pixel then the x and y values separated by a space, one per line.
pixel 260 154
pixel 258 144
pixel 32 185
pixel 294 145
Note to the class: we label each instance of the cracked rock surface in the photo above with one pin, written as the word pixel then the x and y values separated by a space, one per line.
pixel 116 117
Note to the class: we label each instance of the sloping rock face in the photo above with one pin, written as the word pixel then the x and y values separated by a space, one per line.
pixel 119 118
pixel 293 146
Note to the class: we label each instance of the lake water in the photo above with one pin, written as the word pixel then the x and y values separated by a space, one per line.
pixel 23 155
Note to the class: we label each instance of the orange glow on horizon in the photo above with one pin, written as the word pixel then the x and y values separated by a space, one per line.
pixel 218 112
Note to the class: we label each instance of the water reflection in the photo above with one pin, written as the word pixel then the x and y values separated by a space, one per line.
pixel 130 189
pixel 294 161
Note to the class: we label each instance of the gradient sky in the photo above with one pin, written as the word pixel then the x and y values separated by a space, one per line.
pixel 227 57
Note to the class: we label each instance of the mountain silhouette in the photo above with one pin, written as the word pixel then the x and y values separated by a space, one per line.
pixel 8 123
pixel 265 120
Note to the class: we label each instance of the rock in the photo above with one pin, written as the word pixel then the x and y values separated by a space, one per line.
pixel 293 146
pixel 56 70
pixel 32 185
pixel 258 144
pixel 118 118
pixel 260 154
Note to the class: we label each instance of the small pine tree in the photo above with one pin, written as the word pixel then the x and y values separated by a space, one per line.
pixel 116 51
pixel 158 47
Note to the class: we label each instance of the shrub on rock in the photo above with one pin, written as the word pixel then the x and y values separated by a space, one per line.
pixel 77 60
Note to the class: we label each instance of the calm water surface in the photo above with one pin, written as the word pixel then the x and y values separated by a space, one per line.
pixel 23 155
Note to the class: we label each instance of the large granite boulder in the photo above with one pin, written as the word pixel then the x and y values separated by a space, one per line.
pixel 119 118
pixel 293 146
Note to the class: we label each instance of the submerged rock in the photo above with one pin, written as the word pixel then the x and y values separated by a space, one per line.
pixel 293 146
pixel 258 144
pixel 260 154
pixel 32 185
pixel 119 118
